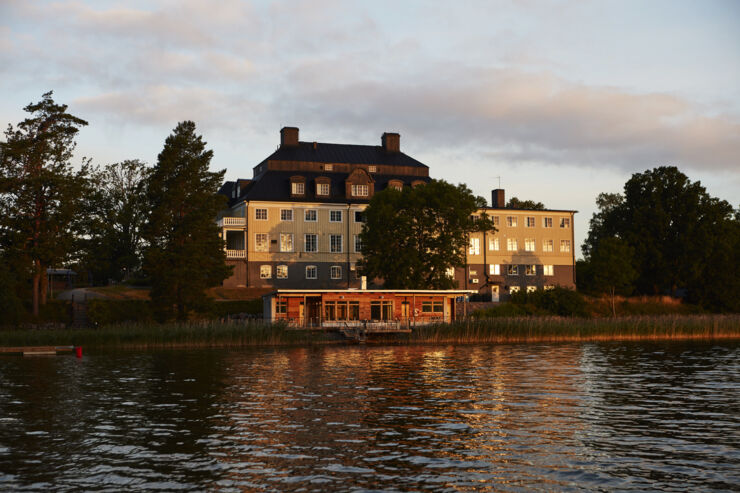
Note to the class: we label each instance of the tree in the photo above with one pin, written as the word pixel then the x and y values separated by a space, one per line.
pixel 515 203
pixel 184 254
pixel 116 215
pixel 611 268
pixel 675 229
pixel 411 237
pixel 40 193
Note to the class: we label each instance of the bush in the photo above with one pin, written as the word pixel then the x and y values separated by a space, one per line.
pixel 105 312
pixel 222 309
pixel 503 310
pixel 557 301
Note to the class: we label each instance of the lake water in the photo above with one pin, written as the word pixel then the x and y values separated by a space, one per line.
pixel 611 416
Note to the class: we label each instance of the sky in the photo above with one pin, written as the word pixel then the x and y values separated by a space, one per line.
pixel 555 101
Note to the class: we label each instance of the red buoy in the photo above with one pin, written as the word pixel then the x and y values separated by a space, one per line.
pixel 78 351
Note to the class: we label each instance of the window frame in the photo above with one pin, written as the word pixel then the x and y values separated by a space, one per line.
pixel 530 242
pixel 357 188
pixel 279 271
pixel 548 245
pixel 332 213
pixel 315 215
pixel 292 242
pixel 358 241
pixel 298 188
pixel 333 244
pixel 315 271
pixel 530 270
pixel 548 270
pixel 512 270
pixel 333 269
pixel 494 244
pixel 530 222
pixel 284 213
pixel 565 243
pixel 315 242
pixel 258 212
pixel 265 271
pixel 494 269
pixel 512 222
pixel 257 247
pixel 512 242
pixel 547 222
pixel 319 191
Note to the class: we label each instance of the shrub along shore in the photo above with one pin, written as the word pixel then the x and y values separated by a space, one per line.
pixel 469 331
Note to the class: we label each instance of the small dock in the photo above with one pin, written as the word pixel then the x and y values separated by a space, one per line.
pixel 38 350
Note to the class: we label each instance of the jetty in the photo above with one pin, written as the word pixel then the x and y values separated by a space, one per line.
pixel 41 350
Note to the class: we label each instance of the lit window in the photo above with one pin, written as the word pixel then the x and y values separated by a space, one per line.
pixel 549 287
pixel 495 220
pixel 298 188
pixel 512 270
pixel 372 169
pixel 322 189
pixel 531 289
pixel 547 270
pixel 473 272
pixel 310 215
pixel 335 216
pixel 564 245
pixel 286 242
pixel 311 272
pixel 358 244
pixel 495 269
pixel 530 222
pixel 281 272
pixel 310 243
pixel 450 272
pixel 336 272
pixel 565 222
pixel 529 244
pixel 360 190
pixel 335 243
pixel 260 214
pixel 359 216
pixel 547 222
pixel 511 244
pixel 261 242
pixel 513 289
pixel 286 214
pixel 530 270
pixel 474 247
pixel 493 244
pixel 265 271
pixel 328 167
pixel 511 221
pixel 547 245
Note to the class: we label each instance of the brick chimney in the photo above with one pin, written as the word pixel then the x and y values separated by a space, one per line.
pixel 391 142
pixel 289 137
pixel 498 198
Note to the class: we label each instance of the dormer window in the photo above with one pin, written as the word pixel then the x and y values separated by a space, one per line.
pixel 360 190
pixel 395 185
pixel 328 167
pixel 322 189
pixel 372 169
pixel 298 188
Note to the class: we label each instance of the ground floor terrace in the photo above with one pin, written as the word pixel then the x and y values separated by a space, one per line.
pixel 375 309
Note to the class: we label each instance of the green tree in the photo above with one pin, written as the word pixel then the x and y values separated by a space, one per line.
pixel 184 254
pixel 117 209
pixel 515 203
pixel 411 237
pixel 40 192
pixel 675 228
pixel 611 268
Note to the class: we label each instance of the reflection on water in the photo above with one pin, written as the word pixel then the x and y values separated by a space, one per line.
pixel 551 417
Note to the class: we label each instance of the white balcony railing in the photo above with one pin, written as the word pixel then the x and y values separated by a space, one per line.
pixel 236 253
pixel 231 221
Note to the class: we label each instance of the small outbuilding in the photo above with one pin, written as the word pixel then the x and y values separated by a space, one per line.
pixel 339 308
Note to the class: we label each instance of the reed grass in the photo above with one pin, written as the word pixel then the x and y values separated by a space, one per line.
pixel 469 331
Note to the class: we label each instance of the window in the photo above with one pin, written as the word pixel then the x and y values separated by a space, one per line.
pixel 360 190
pixel 311 272
pixel 354 310
pixel 281 307
pixel 381 310
pixel 530 222
pixel 530 270
pixel 432 306
pixel 546 245
pixel 547 222
pixel 336 272
pixel 493 244
pixel 511 221
pixel 450 272
pixel 286 242
pixel 512 270
pixel 549 287
pixel 261 242
pixel 328 167
pixel 547 270
pixel 335 216
pixel 359 216
pixel 495 269
pixel 474 248
pixel 511 245
pixel 372 169
pixel 260 214
pixel 564 245
pixel 298 188
pixel 495 221
pixel 311 243
pixel 281 272
pixel 265 271
pixel 286 214
pixel 358 244
pixel 529 244
pixel 335 243
pixel 322 189
pixel 310 215
pixel 513 289
pixel 395 185
pixel 565 222
pixel 473 272
pixel 531 289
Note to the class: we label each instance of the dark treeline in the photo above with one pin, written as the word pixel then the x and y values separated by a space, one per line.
pixel 119 221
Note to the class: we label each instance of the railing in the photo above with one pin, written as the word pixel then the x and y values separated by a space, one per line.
pixel 232 221
pixel 236 253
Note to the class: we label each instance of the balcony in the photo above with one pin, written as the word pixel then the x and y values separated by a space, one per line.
pixel 236 254
pixel 232 221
